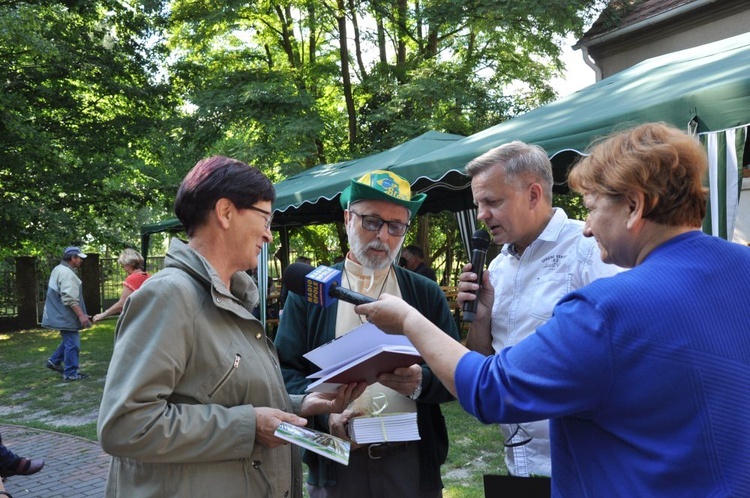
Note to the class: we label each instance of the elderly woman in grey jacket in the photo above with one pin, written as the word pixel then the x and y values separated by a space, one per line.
pixel 194 392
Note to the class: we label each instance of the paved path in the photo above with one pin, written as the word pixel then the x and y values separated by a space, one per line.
pixel 74 467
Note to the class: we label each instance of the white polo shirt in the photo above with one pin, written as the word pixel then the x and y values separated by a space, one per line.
pixel 527 287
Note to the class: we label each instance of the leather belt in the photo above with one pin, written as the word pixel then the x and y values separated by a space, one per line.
pixel 376 451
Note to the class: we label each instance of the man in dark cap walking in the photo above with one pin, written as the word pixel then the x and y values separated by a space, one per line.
pixel 65 311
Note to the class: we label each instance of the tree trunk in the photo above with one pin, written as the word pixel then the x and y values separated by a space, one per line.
pixel 357 40
pixel 382 52
pixel 312 44
pixel 401 19
pixel 345 78
pixel 287 36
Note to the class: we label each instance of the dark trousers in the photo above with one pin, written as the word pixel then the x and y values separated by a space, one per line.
pixel 8 459
pixel 395 475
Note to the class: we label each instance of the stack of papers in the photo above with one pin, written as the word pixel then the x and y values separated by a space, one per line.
pixel 360 355
pixel 390 427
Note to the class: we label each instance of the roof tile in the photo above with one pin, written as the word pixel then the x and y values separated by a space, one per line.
pixel 622 13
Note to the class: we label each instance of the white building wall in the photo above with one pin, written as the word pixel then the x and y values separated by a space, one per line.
pixel 631 50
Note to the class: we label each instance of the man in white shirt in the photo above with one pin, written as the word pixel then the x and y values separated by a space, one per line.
pixel 544 256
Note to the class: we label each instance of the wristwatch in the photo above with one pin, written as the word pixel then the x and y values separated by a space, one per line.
pixel 416 392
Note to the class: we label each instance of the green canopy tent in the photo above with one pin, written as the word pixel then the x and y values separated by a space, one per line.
pixel 299 198
pixel 705 90
pixel 313 196
pixel 172 225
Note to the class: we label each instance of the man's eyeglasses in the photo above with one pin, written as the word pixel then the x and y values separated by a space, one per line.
pixel 374 224
pixel 524 438
pixel 269 215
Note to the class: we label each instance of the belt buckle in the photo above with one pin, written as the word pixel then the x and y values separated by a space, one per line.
pixel 369 451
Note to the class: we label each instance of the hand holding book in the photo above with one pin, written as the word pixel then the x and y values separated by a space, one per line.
pixel 321 443
pixel 360 355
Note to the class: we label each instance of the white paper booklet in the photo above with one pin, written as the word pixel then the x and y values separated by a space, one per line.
pixel 362 354
pixel 321 443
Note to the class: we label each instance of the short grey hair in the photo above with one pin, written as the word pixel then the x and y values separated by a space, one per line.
pixel 518 160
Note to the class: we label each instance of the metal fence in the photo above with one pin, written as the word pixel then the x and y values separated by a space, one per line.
pixel 8 301
pixel 112 277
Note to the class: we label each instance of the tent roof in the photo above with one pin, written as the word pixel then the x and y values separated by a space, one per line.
pixel 710 83
pixel 299 198
pixel 172 225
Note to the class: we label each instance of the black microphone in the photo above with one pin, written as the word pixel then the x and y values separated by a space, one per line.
pixel 480 241
pixel 320 286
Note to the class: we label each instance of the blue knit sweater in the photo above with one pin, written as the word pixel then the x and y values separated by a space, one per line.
pixel 644 375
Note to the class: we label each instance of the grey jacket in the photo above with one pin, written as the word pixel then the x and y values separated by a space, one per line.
pixel 190 365
pixel 63 291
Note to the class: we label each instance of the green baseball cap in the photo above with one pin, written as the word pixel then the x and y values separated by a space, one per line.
pixel 383 186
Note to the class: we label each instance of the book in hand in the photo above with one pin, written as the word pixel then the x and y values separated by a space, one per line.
pixel 321 443
pixel 389 427
pixel 360 355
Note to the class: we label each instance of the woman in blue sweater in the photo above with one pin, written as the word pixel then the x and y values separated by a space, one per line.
pixel 644 375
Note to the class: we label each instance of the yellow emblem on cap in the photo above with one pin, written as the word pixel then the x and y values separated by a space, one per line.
pixel 389 183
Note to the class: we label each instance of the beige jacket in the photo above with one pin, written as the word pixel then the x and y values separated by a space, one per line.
pixel 189 367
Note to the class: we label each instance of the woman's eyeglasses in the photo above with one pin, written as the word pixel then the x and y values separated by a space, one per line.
pixel 269 215
pixel 374 224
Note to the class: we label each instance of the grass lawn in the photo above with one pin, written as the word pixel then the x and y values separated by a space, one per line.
pixel 34 396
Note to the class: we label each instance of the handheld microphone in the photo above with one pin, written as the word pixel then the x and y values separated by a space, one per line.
pixel 480 241
pixel 320 286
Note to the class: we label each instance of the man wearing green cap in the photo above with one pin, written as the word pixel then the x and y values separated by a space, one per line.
pixel 377 211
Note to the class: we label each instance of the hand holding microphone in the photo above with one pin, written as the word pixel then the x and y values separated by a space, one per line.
pixel 480 241
pixel 321 285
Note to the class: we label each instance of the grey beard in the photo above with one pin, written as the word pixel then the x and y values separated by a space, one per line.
pixel 368 261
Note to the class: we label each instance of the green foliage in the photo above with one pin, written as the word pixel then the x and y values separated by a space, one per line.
pixel 443 248
pixel 78 102
pixel 613 15
pixel 572 203
pixel 453 69
pixel 319 242
pixel 105 105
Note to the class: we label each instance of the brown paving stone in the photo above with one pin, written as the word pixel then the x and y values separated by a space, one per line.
pixel 74 466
